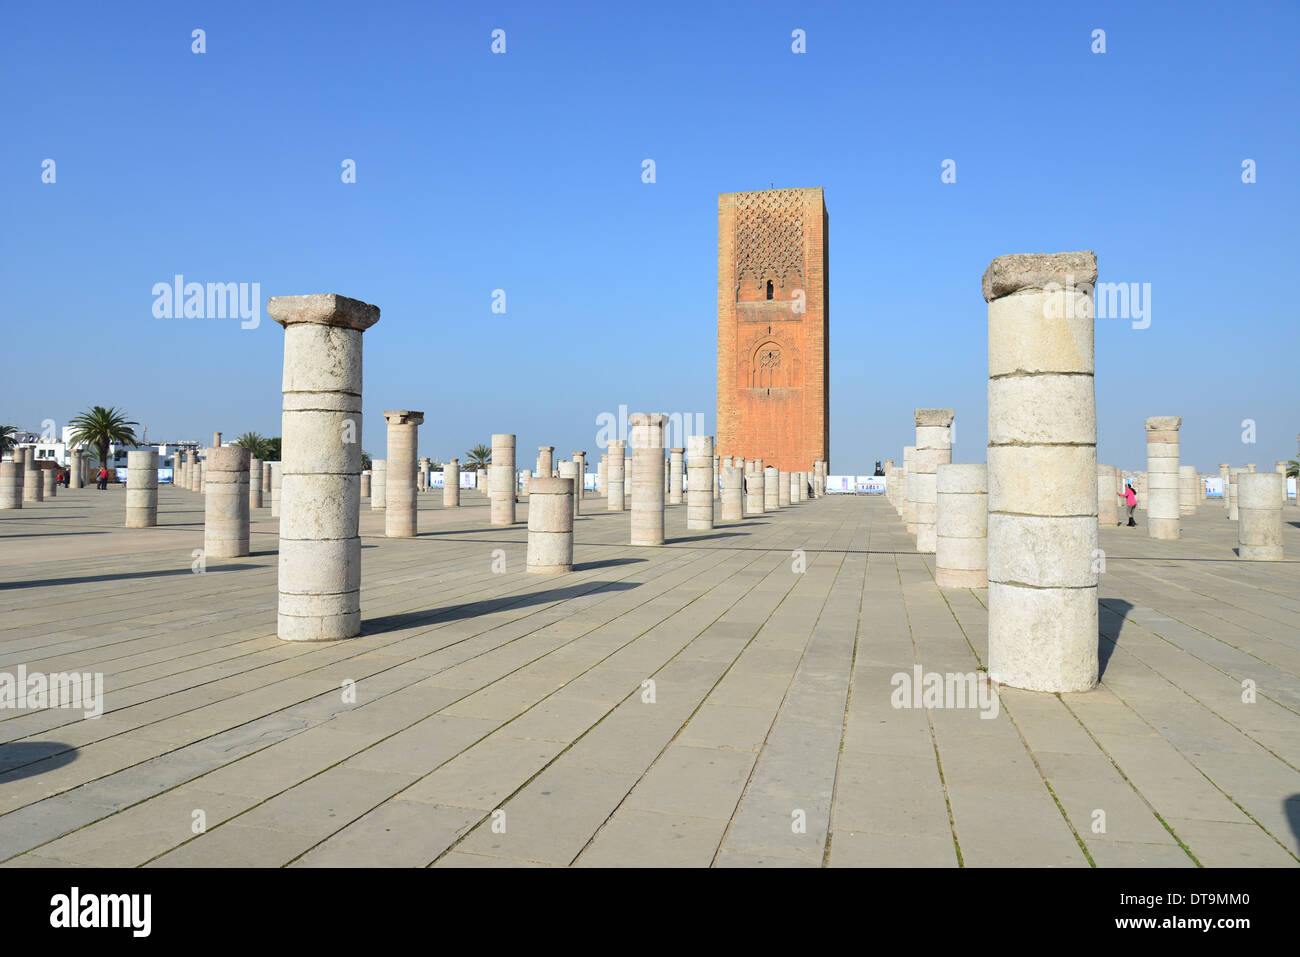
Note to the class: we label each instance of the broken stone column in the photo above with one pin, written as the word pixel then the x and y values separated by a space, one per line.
pixel 1042 472
pixel 771 479
pixel 545 460
pixel 378 484
pixel 933 448
pixel 216 440
pixel 266 481
pixel 1232 493
pixel 320 545
pixel 1189 495
pixel 225 508
pixel 1107 500
pixel 254 481
pixel 422 477
pixel 615 476
pixel 550 525
pixel 782 489
pixel 1259 522
pixel 754 489
pixel 525 482
pixel 627 480
pixel 647 477
pixel 141 489
pixel 1224 472
pixel 716 474
pixel 732 481
pixel 365 484
pixel 569 471
pixel 793 486
pixel 961 526
pixel 11 483
pixel 602 468
pixel 76 470
pixel 909 487
pixel 401 516
pixel 451 484
pixel 1162 476
pixel 33 483
pixel 50 487
pixel 203 478
pixel 1250 467
pixel 501 479
pixel 1280 468
pixel 676 471
pixel 699 495
pixel 275 489
pixel 580 459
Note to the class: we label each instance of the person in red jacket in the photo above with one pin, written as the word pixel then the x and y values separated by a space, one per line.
pixel 1131 500
pixel 103 478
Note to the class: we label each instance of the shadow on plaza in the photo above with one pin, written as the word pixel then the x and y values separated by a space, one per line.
pixel 123 576
pixel 1291 805
pixel 25 759
pixel 48 534
pixel 472 609
pixel 606 563
pixel 1111 615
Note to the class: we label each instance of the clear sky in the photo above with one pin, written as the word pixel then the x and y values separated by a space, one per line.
pixel 522 172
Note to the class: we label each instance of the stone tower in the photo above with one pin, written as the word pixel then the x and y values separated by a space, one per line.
pixel 773 327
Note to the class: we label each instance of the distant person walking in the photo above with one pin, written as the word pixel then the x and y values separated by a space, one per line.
pixel 1131 500
pixel 67 477
pixel 103 478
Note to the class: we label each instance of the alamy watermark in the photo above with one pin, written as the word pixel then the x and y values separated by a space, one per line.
pixel 680 426
pixel 1111 300
pixel 179 299
pixel 934 690
pixel 36 689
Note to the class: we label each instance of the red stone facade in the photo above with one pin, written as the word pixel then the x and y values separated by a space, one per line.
pixel 773 328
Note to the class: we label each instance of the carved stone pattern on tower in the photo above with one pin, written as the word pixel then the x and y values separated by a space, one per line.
pixel 769 236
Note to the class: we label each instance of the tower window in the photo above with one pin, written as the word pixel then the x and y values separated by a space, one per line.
pixel 770 289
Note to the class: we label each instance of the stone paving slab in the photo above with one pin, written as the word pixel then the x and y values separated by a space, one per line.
pixel 697 704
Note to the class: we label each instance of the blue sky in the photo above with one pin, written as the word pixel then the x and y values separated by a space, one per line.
pixel 522 172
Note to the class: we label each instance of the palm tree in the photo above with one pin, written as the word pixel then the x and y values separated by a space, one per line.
pixel 1292 471
pixel 479 457
pixel 100 428
pixel 259 447
pixel 8 438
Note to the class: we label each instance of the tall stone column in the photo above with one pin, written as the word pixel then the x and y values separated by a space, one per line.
pixel 501 480
pixel 401 515
pixel 451 484
pixel 11 484
pixel 365 484
pixel 200 479
pixel 1280 468
pixel 1259 521
pixel 699 495
pixel 675 473
pixel 181 470
pixel 550 525
pixel 961 526
pixel 732 482
pixel 647 477
pixel 141 489
pixel 933 448
pixel 1189 495
pixel 320 545
pixel 254 481
pixel 276 472
pixel 76 475
pixel 782 489
pixel 615 500
pixel 754 497
pixel 33 483
pixel 890 489
pixel 803 486
pixel 216 440
pixel 909 487
pixel 601 468
pixel 225 508
pixel 266 481
pixel 569 472
pixel 580 491
pixel 1224 469
pixel 1042 472
pixel 1162 476
pixel 422 476
pixel 771 479
pixel 1107 500
pixel 793 485
pixel 378 484
pixel 49 486
pixel 627 480
pixel 545 460
pixel 1233 475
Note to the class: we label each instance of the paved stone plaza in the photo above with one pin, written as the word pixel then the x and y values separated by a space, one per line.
pixel 482 690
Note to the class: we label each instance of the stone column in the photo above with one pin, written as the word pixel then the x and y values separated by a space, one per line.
pixel 569 471
pixel 627 481
pixel 501 480
pixel 1232 493
pixel 451 484
pixel 1224 469
pixel 11 484
pixel 254 481
pixel 909 483
pixel 401 515
pixel 580 491
pixel 225 508
pixel 33 483
pixel 615 500
pixel 667 477
pixel 181 470
pixel 1042 472
pixel 525 482
pixel 754 498
pixel 320 546
pixel 266 481
pixel 545 460
pixel 601 468
pixel 201 479
pixel 378 484
pixel 422 477
pixel 50 488
pixel 771 478
pixel 481 481
pixel 550 525
pixel 782 489
pixel 1259 522
pixel 1280 468
pixel 699 494
pixel 1188 495
pixel 365 484
pixel 961 526
pixel 647 477
pixel 803 486
pixel 1107 500
pixel 675 473
pixel 141 489
pixel 1250 467
pixel 216 440
pixel 933 448
pixel 732 481
pixel 76 476
pixel 716 474
pixel 276 471
pixel 1162 476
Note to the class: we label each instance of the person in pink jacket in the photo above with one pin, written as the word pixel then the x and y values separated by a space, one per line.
pixel 1131 500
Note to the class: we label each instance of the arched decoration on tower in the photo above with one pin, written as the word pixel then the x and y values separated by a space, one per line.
pixel 767 370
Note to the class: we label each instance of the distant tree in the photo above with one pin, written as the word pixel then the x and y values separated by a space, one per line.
pixel 273 450
pixel 8 438
pixel 365 461
pixel 479 457
pixel 259 447
pixel 1293 471
pixel 99 428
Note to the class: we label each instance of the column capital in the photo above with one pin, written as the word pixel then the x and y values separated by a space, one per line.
pixel 1015 273
pixel 324 309
pixel 1164 423
pixel 930 417
pixel 404 417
